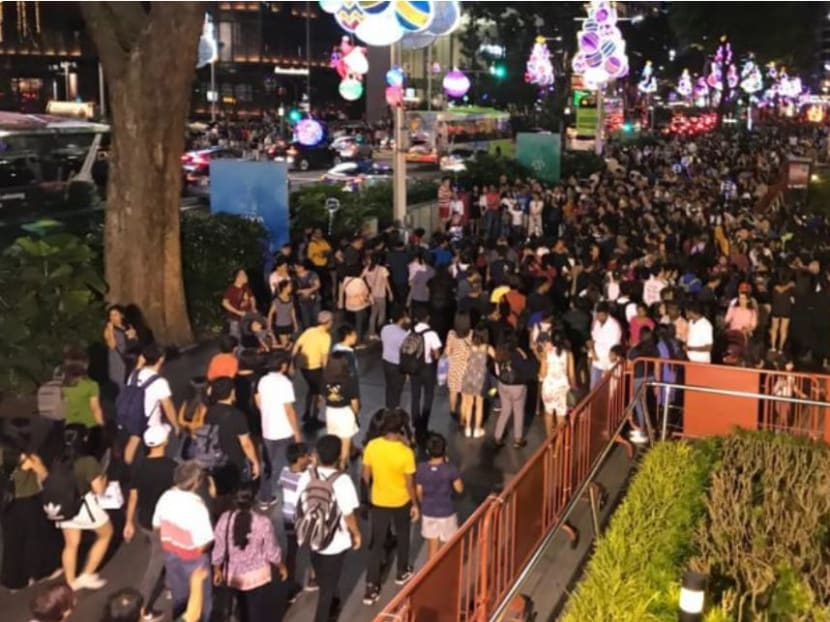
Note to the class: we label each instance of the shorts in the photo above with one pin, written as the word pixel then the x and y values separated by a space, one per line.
pixel 341 422
pixel 284 330
pixel 90 517
pixel 441 529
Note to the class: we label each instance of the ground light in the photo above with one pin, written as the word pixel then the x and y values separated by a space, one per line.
pixel 692 593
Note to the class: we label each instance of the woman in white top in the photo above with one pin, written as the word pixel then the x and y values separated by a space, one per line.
pixel 557 376
pixel 356 299
pixel 535 210
pixel 377 278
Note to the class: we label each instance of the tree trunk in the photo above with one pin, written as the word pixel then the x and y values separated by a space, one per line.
pixel 149 59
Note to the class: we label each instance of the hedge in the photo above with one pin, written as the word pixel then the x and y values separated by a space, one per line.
pixel 636 570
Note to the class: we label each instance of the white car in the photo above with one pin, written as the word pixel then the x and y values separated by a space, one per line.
pixel 354 175
pixel 456 161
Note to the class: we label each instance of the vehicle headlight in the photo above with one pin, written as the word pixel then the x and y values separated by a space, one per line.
pixel 289 159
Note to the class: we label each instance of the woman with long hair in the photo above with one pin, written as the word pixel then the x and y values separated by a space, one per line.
pixel 376 276
pixel 558 377
pixel 511 371
pixel 473 384
pixel 457 352
pixel 245 553
pixel 342 401
pixel 120 338
pixel 782 299
pixel 282 315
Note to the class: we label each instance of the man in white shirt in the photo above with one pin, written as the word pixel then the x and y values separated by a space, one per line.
pixel 275 400
pixel 426 377
pixel 157 395
pixel 700 336
pixel 182 522
pixel 605 334
pixel 328 562
pixel 653 286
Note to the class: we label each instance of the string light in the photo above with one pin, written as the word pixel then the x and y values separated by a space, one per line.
pixel 601 55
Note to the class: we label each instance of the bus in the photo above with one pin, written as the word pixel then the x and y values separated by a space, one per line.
pixel 471 130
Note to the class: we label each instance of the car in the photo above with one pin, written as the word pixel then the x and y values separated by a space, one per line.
pixel 422 153
pixel 196 168
pixel 347 148
pixel 358 174
pixel 303 157
pixel 455 161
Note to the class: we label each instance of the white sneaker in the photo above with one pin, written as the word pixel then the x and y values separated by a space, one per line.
pixel 88 582
pixel 468 432
pixel 478 433
pixel 638 437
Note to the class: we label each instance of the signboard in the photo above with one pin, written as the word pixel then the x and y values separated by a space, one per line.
pixel 586 121
pixel 254 190
pixel 798 172
pixel 541 153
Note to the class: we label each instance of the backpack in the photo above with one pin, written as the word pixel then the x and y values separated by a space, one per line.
pixel 412 352
pixel 60 496
pixel 206 447
pixel 129 405
pixel 318 515
pixel 50 400
pixel 508 373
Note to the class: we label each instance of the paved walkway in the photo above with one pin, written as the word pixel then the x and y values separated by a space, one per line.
pixel 484 470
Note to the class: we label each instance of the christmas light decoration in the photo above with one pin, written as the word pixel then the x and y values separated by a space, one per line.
pixel 751 79
pixel 722 58
pixel 309 132
pixel 647 83
pixel 684 84
pixel 394 88
pixel 701 92
pixel 351 89
pixel 539 68
pixel 351 64
pixel 208 46
pixel 456 84
pixel 394 77
pixel 601 55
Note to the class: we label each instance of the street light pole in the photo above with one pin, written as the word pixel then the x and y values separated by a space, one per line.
pixel 102 99
pixel 214 94
pixel 66 79
pixel 399 158
pixel 600 139
pixel 308 53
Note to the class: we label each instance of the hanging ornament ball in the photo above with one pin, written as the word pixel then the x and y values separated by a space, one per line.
pixel 330 6
pixel 351 89
pixel 602 14
pixel 374 7
pixel 593 60
pixel 436 67
pixel 394 77
pixel 589 42
pixel 380 30
pixel 608 47
pixel 578 64
pixel 349 16
pixel 414 15
pixel 356 61
pixel 309 132
pixel 613 65
pixel 394 95
pixel 456 84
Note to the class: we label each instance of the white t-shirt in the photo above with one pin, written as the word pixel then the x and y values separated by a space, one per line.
pixel 457 207
pixel 605 337
pixel 431 340
pixel 275 391
pixel 153 395
pixel 346 497
pixel 700 334
pixel 184 523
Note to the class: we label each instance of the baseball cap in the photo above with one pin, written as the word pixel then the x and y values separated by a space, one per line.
pixel 156 435
pixel 324 316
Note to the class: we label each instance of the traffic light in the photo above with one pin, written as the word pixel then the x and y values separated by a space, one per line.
pixel 498 71
pixel 294 115
pixel 627 127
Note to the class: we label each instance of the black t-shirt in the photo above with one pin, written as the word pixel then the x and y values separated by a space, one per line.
pixel 151 477
pixel 340 394
pixel 232 425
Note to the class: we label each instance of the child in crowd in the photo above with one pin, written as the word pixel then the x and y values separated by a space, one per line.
pixel 299 458
pixel 435 481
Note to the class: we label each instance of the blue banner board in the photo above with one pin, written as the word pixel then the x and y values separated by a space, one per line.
pixel 254 190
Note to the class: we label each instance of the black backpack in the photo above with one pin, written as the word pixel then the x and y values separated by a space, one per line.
pixel 129 405
pixel 508 373
pixel 206 447
pixel 60 496
pixel 412 352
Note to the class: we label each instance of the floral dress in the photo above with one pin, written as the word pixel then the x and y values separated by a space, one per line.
pixel 555 384
pixel 458 352
pixel 475 376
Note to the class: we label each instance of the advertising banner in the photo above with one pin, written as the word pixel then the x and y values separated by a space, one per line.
pixel 541 153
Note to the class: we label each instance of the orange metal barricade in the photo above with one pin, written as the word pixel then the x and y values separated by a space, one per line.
pixel 472 574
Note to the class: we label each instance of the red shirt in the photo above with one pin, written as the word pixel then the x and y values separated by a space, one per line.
pixel 493 201
pixel 240 298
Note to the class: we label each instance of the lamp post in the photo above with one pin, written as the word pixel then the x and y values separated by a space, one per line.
pixel 399 159
pixel 692 595
pixel 213 90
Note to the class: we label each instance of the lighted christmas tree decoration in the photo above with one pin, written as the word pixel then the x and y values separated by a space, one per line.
pixel 701 92
pixel 721 59
pixel 684 84
pixel 456 84
pixel 539 68
pixel 601 55
pixel 648 82
pixel 751 79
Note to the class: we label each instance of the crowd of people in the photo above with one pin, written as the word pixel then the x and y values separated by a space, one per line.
pixel 671 253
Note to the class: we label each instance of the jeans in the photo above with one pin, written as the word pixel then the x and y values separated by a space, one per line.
pixel 377 318
pixel 641 403
pixel 596 375
pixel 492 224
pixel 314 380
pixel 178 573
pixel 328 569
pixel 380 519
pixel 153 571
pixel 359 319
pixel 393 381
pixel 274 458
pixel 512 398
pixel 424 380
pixel 308 312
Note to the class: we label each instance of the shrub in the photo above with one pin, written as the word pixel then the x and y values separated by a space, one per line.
pixel 51 294
pixel 485 169
pixel 581 164
pixel 213 247
pixel 764 540
pixel 637 566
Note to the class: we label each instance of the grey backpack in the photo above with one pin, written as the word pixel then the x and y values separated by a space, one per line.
pixel 318 515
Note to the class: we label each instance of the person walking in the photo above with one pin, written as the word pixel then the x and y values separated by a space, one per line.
pixel 245 556
pixel 275 400
pixel 605 334
pixel 328 560
pixel 391 337
pixel 342 402
pixel 356 299
pixel 308 293
pixel 419 357
pixel 435 481
pixel 557 373
pixel 150 478
pixel 473 385
pixel 389 468
pixel 457 353
pixel 311 352
pixel 512 372
pixel 377 277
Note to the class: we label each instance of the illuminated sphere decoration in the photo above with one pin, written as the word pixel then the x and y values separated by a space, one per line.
pixel 351 89
pixel 456 84
pixel 356 61
pixel 394 95
pixel 415 15
pixel 394 77
pixel 601 55
pixel 309 132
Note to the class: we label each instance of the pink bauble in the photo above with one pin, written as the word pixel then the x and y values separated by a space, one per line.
pixel 589 42
pixel 593 60
pixel 456 84
pixel 612 66
pixel 394 95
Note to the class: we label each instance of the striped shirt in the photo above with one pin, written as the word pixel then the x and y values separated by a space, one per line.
pixel 289 481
